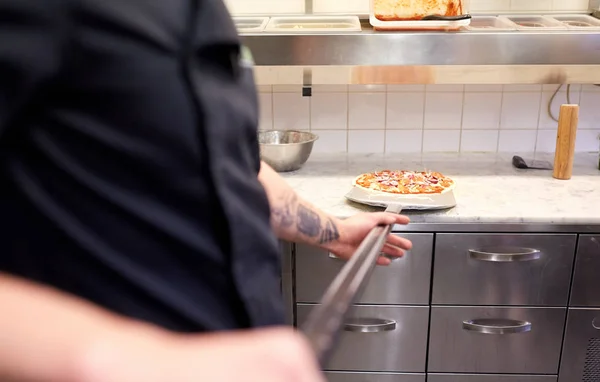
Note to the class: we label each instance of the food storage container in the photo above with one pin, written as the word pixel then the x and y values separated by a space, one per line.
pixel 410 14
pixel 490 24
pixel 250 24
pixel 578 22
pixel 313 24
pixel 537 23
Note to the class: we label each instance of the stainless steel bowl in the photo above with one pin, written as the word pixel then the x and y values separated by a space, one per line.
pixel 285 150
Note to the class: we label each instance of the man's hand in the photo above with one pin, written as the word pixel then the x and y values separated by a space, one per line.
pixel 80 342
pixel 265 355
pixel 353 230
pixel 295 219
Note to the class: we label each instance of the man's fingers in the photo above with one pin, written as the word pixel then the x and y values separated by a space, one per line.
pixel 392 250
pixel 399 242
pixel 383 261
pixel 389 218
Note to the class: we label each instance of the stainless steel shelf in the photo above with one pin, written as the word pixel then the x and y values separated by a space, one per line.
pixel 370 57
pixel 369 48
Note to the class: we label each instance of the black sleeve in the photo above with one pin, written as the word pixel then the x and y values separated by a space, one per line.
pixel 32 36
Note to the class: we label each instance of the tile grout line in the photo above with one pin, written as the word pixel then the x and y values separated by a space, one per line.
pixel 272 107
pixel 385 120
pixel 347 118
pixel 462 118
pixel 423 120
pixel 500 119
pixel 537 127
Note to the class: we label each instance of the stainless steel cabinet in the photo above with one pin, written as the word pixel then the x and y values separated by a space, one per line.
pixel 581 352
pixel 405 281
pixel 586 279
pixel 495 340
pixel 287 280
pixel 501 269
pixel 339 376
pixel 489 378
pixel 380 339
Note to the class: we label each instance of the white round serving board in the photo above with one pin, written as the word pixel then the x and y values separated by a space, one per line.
pixel 408 202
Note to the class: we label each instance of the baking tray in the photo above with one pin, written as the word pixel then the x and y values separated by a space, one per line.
pixel 313 24
pixel 440 201
pixel 418 24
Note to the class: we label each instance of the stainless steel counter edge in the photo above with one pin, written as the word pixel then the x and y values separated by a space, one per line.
pixel 368 48
pixel 499 228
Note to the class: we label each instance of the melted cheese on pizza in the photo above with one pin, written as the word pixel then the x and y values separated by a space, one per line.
pixel 405 182
pixel 396 10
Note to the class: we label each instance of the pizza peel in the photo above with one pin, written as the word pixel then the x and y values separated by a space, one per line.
pixel 417 202
pixel 325 322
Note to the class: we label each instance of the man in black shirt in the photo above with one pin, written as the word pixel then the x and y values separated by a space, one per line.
pixel 135 208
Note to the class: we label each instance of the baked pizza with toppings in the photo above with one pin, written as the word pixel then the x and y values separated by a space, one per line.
pixel 405 182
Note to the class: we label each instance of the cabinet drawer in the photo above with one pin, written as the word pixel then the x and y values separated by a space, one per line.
pixel 495 340
pixel 499 269
pixel 581 351
pixel 489 378
pixel 339 376
pixel 397 341
pixel 586 280
pixel 405 281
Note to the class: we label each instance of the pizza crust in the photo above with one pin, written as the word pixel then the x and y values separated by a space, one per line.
pixel 398 194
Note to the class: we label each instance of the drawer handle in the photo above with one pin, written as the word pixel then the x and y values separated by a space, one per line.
pixel 497 326
pixel 596 323
pixel 369 325
pixel 505 254
pixel 391 258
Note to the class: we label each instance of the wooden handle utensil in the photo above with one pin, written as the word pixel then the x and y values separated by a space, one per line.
pixel 568 119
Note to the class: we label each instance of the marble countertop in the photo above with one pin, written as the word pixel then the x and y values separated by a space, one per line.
pixel 488 188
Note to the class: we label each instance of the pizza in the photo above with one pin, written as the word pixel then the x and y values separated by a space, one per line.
pixel 405 182
pixel 401 10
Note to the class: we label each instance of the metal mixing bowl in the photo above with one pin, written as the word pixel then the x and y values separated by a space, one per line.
pixel 285 150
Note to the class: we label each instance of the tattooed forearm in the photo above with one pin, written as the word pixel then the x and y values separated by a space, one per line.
pixel 292 218
pixel 329 233
pixel 283 215
pixel 309 222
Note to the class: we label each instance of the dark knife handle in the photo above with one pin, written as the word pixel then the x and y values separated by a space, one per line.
pixel 519 162
pixel 446 18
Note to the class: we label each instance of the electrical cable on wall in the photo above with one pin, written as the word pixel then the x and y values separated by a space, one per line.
pixel 554 96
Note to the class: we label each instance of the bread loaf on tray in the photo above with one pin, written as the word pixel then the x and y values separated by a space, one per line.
pixel 401 10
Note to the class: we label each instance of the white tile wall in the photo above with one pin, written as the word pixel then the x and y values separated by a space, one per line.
pixel 443 110
pixel 240 7
pixel 405 110
pixel 366 111
pixel 482 110
pixel 432 118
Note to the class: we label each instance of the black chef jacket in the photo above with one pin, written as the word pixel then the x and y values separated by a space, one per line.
pixel 129 161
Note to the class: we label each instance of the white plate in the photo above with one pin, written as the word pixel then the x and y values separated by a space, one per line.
pixel 409 202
